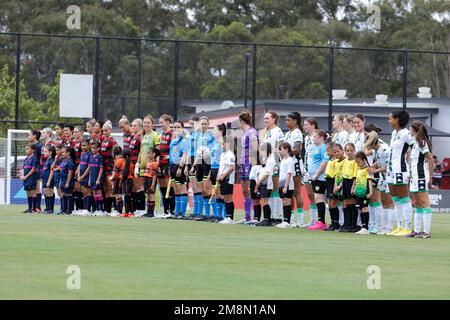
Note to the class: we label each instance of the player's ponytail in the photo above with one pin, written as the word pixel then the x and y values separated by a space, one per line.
pixel 422 136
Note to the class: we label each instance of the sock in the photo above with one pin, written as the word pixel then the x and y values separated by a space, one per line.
pixel 195 210
pixel 64 204
pixel 46 203
pixel 378 215
pixel 38 200
pixel 207 206
pixel 321 211
pixel 247 208
pixel 312 213
pixel 141 200
pixel 371 215
pixel 99 205
pixel 418 220
pixel 52 202
pixel 267 212
pixel 215 208
pixel 220 205
pixel 346 211
pixel 354 215
pixel 341 214
pixel 165 201
pixel 133 201
pixel 300 214
pixel 426 216
pixel 287 213
pixel 70 203
pixel 398 212
pixel 34 203
pixel 272 205
pixel 151 207
pixel 120 206
pixel 382 220
pixel 90 202
pixel 183 203
pixel 257 211
pixel 199 204
pixel 177 204
pixel 391 218
pixel 172 202
pixel 407 211
pixel 230 210
pixel 224 210
pixel 365 218
pixel 334 215
pixel 279 204
pixel 30 203
pixel 128 203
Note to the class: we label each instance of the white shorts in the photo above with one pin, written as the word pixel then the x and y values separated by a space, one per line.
pixel 306 178
pixel 381 184
pixel 398 178
pixel 419 185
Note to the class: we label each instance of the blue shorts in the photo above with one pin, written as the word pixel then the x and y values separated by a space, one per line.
pixel 45 180
pixel 30 184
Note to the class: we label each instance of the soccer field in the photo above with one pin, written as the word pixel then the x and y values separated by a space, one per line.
pixel 135 258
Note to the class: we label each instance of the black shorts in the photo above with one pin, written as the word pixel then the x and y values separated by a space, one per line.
pixel 286 195
pixel 264 192
pixel 330 187
pixel 202 171
pixel 318 186
pixel 163 170
pixel 173 174
pixel 226 188
pixel 148 184
pixel 253 195
pixel 347 189
pixel 362 202
pixel 213 176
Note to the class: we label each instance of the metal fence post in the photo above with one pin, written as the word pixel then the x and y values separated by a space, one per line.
pixel 330 88
pixel 247 58
pixel 405 78
pixel 96 76
pixel 175 80
pixel 254 85
pixel 139 80
pixel 17 102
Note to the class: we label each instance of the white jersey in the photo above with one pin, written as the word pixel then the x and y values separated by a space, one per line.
pixel 309 146
pixel 358 139
pixel 382 154
pixel 254 172
pixel 227 159
pixel 286 167
pixel 340 138
pixel 293 136
pixel 268 169
pixel 274 136
pixel 419 162
pixel 401 141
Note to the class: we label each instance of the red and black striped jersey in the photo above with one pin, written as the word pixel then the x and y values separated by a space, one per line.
pixel 106 152
pixel 77 148
pixel 70 142
pixel 59 141
pixel 135 147
pixel 97 138
pixel 126 140
pixel 164 145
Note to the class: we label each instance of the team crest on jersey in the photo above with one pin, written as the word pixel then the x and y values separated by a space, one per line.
pixel 399 178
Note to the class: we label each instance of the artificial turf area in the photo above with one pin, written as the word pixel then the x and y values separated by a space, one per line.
pixel 136 258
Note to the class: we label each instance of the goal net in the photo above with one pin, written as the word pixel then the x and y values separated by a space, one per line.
pixel 12 155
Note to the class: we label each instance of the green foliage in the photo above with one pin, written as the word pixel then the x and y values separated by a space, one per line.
pixel 217 71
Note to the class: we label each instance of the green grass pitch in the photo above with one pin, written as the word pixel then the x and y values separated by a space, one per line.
pixel 165 259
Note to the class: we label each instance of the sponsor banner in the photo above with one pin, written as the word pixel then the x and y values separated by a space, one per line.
pixel 440 201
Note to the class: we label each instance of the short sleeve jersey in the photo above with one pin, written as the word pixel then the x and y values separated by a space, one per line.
pixel 362 182
pixel 401 141
pixel 227 159
pixel 419 162
pixel 317 156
